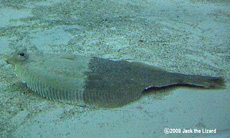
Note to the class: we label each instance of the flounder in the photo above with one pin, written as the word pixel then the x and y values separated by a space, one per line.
pixel 94 81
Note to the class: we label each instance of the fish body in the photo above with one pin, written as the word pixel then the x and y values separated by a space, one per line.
pixel 94 81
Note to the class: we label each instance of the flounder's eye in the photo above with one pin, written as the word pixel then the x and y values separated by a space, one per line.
pixel 22 54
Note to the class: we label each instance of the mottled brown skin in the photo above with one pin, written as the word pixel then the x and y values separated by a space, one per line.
pixel 117 83
pixel 97 81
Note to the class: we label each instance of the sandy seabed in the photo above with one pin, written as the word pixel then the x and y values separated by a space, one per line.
pixel 183 36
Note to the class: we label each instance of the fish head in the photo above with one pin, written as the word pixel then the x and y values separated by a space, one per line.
pixel 16 57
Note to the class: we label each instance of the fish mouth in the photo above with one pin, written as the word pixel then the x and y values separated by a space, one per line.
pixel 7 61
pixel 5 58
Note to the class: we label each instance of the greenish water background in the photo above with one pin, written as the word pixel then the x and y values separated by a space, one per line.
pixel 190 37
